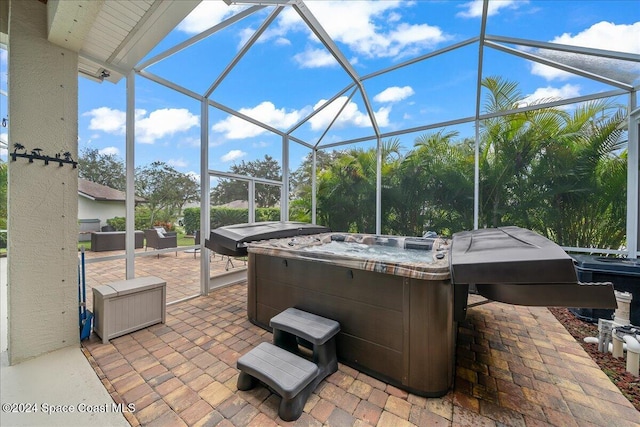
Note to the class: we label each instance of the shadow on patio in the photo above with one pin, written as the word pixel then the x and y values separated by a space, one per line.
pixel 515 366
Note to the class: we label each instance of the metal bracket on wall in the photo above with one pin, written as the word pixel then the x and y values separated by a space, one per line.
pixel 36 154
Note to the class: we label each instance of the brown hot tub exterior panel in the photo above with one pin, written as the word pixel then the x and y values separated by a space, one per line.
pixel 395 328
pixel 289 271
pixel 354 316
pixel 432 335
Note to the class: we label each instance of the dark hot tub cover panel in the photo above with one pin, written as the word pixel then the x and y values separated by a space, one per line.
pixel 231 239
pixel 518 266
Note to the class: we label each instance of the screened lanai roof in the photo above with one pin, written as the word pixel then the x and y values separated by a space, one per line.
pixel 325 74
pixel 338 74
pixel 346 77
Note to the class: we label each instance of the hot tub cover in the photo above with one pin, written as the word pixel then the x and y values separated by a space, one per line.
pixel 518 266
pixel 231 239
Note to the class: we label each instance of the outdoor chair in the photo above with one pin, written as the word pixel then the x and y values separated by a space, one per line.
pixel 156 239
pixel 166 233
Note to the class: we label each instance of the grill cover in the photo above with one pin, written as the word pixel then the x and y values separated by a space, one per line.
pixel 518 266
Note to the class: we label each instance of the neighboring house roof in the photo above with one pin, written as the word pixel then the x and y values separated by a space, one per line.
pixel 99 192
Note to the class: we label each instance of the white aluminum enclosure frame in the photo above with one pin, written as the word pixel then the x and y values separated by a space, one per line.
pixel 484 41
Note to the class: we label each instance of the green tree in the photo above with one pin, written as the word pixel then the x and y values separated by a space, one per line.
pixel 561 174
pixel 165 190
pixel 229 190
pixel 584 175
pixel 511 146
pixel 347 188
pixel 105 169
pixel 435 186
pixel 300 183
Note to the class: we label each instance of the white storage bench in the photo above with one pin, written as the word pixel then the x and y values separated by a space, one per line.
pixel 128 305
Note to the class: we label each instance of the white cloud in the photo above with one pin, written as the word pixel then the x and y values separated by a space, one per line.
pixel 281 41
pixel 265 112
pixel 110 151
pixel 547 94
pixel 394 94
pixel 473 9
pixel 350 115
pixel 235 128
pixel 359 25
pixel 107 120
pixel 602 35
pixel 158 124
pixel 164 122
pixel 207 14
pixel 382 116
pixel 177 163
pixel 606 35
pixel 233 155
pixel 315 58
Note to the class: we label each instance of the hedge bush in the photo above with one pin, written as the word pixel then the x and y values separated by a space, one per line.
pixel 226 216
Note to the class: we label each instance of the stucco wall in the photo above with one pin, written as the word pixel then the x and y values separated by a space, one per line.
pixel 42 200
pixel 92 209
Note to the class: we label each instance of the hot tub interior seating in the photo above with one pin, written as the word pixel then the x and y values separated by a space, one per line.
pixel 398 319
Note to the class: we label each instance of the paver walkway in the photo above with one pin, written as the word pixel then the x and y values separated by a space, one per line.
pixel 516 366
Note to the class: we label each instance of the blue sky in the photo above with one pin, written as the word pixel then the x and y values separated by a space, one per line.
pixel 287 74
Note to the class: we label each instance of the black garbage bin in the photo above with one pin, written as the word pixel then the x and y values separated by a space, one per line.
pixel 622 272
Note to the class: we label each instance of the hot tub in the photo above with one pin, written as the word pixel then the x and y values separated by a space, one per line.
pixel 396 317
pixel 398 299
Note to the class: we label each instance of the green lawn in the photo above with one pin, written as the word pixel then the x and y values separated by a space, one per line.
pixel 183 240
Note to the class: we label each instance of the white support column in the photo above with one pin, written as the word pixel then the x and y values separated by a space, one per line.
pixel 130 165
pixel 42 264
pixel 251 198
pixel 284 201
pixel 378 187
pixel 313 187
pixel 205 196
pixel 476 177
pixel 633 202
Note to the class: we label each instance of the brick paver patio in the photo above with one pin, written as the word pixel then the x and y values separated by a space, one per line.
pixel 180 269
pixel 516 366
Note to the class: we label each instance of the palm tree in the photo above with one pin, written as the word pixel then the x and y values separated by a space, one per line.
pixel 585 174
pixel 435 186
pixel 347 188
pixel 561 174
pixel 510 147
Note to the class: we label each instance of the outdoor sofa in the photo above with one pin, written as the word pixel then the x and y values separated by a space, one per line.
pixel 113 240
